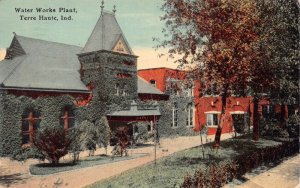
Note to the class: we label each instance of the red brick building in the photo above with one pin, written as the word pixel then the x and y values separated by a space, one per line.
pixel 207 109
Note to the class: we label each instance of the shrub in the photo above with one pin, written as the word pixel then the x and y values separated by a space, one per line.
pixel 123 141
pixel 272 128
pixel 292 125
pixel 88 136
pixel 104 132
pixel 25 153
pixel 141 134
pixel 217 175
pixel 54 142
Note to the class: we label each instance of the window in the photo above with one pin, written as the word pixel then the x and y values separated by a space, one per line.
pixel 174 115
pixel 150 127
pixel 212 119
pixel 117 89
pixel 153 83
pixel 30 123
pixel 123 75
pixel 268 111
pixel 190 115
pixel 121 90
pixel 67 119
pixel 190 91
pixel 124 90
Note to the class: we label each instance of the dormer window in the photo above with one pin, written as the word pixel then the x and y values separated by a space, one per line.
pixel 153 83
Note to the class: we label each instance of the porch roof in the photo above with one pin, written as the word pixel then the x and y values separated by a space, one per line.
pixel 134 113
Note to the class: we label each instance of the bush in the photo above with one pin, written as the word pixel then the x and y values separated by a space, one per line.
pixel 292 126
pixel 272 128
pixel 217 175
pixel 53 142
pixel 25 153
pixel 141 134
pixel 88 136
pixel 104 132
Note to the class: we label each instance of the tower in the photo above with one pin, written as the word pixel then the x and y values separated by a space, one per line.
pixel 108 65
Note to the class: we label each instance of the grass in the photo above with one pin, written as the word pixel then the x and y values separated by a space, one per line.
pixel 47 168
pixel 170 170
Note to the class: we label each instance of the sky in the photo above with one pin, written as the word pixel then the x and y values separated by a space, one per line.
pixel 139 20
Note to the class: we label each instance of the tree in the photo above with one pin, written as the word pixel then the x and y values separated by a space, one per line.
pixel 54 142
pixel 89 136
pixel 104 132
pixel 279 33
pixel 219 38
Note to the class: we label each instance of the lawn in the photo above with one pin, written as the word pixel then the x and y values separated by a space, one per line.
pixel 170 170
pixel 47 168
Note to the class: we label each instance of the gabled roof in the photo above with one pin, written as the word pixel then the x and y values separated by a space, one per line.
pixel 45 65
pixel 146 88
pixel 105 35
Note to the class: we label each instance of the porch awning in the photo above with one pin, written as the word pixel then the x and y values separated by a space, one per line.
pixel 135 114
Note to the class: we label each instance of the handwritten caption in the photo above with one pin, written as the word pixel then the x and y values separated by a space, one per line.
pixel 46 14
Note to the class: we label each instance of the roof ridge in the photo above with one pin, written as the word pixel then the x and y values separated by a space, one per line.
pixel 47 41
pixel 163 68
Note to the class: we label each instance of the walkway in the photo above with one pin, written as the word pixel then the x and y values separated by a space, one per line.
pixel 15 174
pixel 285 175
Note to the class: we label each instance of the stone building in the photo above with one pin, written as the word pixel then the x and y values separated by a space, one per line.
pixel 46 83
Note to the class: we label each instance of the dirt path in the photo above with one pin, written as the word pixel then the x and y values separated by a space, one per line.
pixel 15 174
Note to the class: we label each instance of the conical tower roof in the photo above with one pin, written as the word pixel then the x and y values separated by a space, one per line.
pixel 107 35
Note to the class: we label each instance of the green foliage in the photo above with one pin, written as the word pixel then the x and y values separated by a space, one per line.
pixel 89 136
pixel 104 132
pixel 26 153
pixel 272 128
pixel 170 170
pixel 11 110
pixel 279 38
pixel 141 134
pixel 217 175
pixel 292 126
pixel 164 123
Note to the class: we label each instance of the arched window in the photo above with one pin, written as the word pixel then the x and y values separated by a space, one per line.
pixel 30 123
pixel 67 118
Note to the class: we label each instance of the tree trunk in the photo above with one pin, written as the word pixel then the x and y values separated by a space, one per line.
pixel 55 160
pixel 221 122
pixel 282 115
pixel 255 119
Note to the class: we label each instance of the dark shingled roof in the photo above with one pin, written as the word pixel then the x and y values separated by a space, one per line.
pixel 45 65
pixel 105 35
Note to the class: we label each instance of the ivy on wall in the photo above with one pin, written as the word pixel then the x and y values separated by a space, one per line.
pixel 11 111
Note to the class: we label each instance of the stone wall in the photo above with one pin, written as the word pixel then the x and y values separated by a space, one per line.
pixel 103 70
